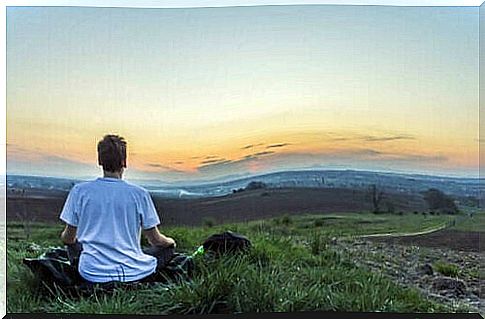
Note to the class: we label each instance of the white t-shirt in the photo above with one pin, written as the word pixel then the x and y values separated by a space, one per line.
pixel 109 214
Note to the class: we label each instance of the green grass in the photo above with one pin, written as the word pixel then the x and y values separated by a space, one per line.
pixel 447 269
pixel 291 267
pixel 476 223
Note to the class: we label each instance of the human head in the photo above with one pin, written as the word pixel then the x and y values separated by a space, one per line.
pixel 112 153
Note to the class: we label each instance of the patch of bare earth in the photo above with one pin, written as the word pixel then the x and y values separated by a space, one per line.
pixel 413 265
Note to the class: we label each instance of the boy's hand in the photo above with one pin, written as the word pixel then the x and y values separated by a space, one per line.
pixel 169 242
pixel 156 239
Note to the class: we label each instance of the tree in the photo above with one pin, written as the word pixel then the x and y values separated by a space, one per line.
pixel 390 207
pixel 439 201
pixel 376 197
pixel 255 185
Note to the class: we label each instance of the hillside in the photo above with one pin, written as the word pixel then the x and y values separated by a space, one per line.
pixel 247 205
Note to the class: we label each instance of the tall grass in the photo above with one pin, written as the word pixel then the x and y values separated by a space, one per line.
pixel 286 270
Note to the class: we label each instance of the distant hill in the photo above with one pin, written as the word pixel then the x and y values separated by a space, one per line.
pixel 390 182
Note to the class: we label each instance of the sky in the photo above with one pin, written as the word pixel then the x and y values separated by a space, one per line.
pixel 202 93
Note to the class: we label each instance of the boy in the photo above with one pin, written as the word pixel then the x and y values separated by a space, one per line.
pixel 105 216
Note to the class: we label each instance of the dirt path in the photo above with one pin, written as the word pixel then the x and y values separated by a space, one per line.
pixel 423 232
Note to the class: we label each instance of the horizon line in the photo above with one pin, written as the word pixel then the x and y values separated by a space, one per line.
pixel 249 175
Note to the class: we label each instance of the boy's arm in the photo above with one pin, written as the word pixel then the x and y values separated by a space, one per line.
pixel 155 238
pixel 68 235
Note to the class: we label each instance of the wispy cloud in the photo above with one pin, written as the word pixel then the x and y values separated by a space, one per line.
pixel 245 147
pixel 278 145
pixel 263 153
pixel 232 164
pixel 211 161
pixel 370 138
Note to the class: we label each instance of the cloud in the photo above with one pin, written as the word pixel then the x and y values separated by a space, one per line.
pixel 62 160
pixel 385 137
pixel 362 152
pixel 417 158
pixel 251 146
pixel 179 162
pixel 162 167
pixel 211 161
pixel 262 153
pixel 211 157
pixel 278 145
pixel 370 138
pixel 237 164
pixel 156 165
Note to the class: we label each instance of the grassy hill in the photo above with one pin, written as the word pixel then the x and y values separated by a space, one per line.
pixel 292 267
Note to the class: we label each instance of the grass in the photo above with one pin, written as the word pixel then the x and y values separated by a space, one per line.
pixel 447 269
pixel 476 223
pixel 291 267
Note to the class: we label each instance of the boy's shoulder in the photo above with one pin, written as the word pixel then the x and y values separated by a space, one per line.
pixel 136 188
pixel 93 184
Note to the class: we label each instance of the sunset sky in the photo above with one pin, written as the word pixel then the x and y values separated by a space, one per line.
pixel 209 92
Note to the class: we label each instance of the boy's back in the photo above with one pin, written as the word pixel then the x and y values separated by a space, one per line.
pixel 109 214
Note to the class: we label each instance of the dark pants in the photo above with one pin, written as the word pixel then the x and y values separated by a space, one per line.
pixel 162 254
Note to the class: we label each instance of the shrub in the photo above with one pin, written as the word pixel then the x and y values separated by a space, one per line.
pixel 437 200
pixel 255 185
pixel 446 269
pixel 390 207
pixel 286 220
pixel 318 222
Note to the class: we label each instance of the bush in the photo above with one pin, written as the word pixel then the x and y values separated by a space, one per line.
pixel 255 185
pixel 318 222
pixel 390 207
pixel 286 220
pixel 437 200
pixel 446 269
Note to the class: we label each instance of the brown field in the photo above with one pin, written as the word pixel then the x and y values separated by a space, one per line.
pixel 244 206
pixel 470 241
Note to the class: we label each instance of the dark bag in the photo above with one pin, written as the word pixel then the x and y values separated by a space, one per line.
pixel 227 242
pixel 54 269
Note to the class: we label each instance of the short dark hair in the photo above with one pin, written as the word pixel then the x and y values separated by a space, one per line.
pixel 112 153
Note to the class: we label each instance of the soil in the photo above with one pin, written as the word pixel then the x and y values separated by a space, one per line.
pixel 409 265
pixel 449 239
pixel 244 206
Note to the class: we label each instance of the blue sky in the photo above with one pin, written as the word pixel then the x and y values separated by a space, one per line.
pixel 387 88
